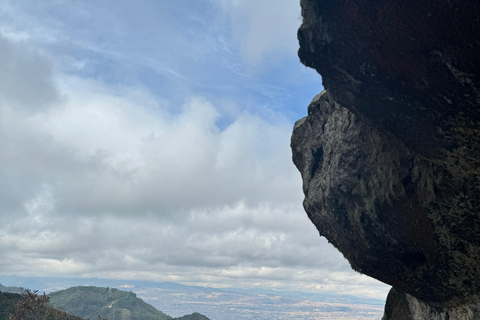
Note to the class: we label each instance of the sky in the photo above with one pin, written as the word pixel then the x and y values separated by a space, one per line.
pixel 150 140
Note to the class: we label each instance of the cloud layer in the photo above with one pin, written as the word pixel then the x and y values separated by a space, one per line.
pixel 264 29
pixel 105 176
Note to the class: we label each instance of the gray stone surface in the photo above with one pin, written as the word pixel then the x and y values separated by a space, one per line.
pixel 402 306
pixel 390 152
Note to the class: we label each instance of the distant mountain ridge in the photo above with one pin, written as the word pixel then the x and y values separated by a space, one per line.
pixel 57 284
pixel 193 316
pixel 17 290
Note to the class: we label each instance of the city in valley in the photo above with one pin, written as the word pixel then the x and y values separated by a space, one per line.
pixel 221 304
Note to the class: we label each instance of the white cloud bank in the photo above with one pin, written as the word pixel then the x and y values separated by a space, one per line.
pixel 105 180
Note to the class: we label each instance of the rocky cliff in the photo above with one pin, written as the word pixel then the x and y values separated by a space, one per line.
pixel 390 152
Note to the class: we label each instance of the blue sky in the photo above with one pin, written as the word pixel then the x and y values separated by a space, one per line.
pixel 150 140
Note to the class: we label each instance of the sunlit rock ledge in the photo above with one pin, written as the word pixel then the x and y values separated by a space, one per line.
pixel 390 152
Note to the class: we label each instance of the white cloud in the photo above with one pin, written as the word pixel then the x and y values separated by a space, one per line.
pixel 127 154
pixel 264 28
pixel 107 179
pixel 174 188
pixel 231 246
pixel 26 77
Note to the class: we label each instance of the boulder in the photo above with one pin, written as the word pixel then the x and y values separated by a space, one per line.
pixel 390 152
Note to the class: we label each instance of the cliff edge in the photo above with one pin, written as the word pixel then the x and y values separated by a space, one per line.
pixel 390 152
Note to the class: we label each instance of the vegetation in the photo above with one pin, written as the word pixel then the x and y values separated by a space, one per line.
pixel 193 316
pixel 7 304
pixel 85 302
pixel 89 302
pixel 30 306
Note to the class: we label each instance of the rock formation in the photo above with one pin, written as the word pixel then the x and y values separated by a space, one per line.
pixel 390 152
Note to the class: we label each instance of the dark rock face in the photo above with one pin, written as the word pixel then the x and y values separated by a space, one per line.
pixel 390 153
pixel 402 306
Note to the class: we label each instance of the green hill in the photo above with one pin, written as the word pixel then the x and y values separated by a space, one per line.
pixel 193 316
pixel 7 304
pixel 112 304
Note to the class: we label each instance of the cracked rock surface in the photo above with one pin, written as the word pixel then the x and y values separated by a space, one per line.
pixel 390 153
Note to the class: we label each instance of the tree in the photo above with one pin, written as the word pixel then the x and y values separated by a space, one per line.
pixel 32 306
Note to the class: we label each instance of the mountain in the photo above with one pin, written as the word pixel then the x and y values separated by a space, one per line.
pixel 109 303
pixel 17 290
pixel 193 316
pixel 112 304
pixel 389 152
